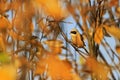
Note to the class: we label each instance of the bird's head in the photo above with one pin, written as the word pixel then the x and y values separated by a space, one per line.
pixel 74 31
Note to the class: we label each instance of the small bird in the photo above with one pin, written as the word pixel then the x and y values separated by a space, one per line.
pixel 77 38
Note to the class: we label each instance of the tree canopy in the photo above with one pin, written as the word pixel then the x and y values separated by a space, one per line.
pixel 37 41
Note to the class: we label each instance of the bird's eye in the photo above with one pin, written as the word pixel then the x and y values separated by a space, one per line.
pixel 73 32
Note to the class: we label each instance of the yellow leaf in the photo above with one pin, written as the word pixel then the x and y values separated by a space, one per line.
pixel 56 68
pixel 99 71
pixel 81 60
pixel 98 35
pixel 113 30
pixel 4 58
pixel 55 46
pixel 7 72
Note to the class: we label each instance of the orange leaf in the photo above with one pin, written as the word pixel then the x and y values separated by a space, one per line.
pixel 98 35
pixel 8 72
pixel 22 23
pixel 113 30
pixel 56 68
pixel 15 5
pixel 2 44
pixel 76 77
pixel 4 7
pixel 118 9
pixel 31 27
pixel 52 8
pixel 113 3
pixel 16 36
pixel 4 23
pixel 99 70
pixel 55 46
pixel 118 48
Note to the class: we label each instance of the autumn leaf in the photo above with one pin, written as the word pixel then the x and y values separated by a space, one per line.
pixel 2 44
pixel 29 9
pixel 55 46
pixel 113 3
pixel 22 23
pixel 8 72
pixel 15 5
pixel 113 30
pixel 118 49
pixel 4 23
pixel 81 60
pixel 98 70
pixel 14 35
pixel 4 58
pixel 98 35
pixel 52 8
pixel 118 9
pixel 31 26
pixel 76 77
pixel 56 68
pixel 4 7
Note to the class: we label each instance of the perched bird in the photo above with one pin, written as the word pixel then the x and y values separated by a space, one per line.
pixel 77 38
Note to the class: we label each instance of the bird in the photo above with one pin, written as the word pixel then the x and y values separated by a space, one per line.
pixel 76 38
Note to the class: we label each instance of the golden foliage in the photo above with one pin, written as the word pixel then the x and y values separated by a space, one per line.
pixel 98 35
pixel 4 6
pixel 19 35
pixel 113 30
pixel 75 77
pixel 15 5
pixel 16 36
pixel 23 23
pixel 29 8
pixel 7 72
pixel 2 44
pixel 99 70
pixel 4 23
pixel 52 8
pixel 56 68
pixel 55 46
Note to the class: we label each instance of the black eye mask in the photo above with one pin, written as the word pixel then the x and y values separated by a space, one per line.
pixel 73 32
